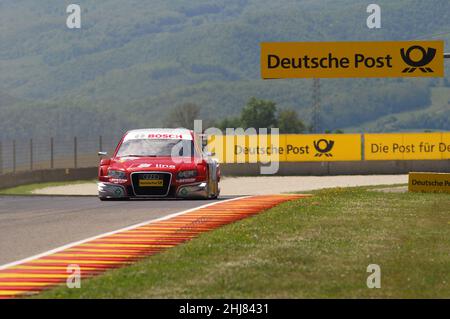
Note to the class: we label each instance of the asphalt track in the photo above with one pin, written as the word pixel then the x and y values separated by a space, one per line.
pixel 35 224
pixel 95 255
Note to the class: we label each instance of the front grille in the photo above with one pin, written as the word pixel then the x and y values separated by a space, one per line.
pixel 153 190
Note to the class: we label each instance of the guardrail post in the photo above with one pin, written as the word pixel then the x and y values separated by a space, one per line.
pixel 31 154
pixel 52 158
pixel 14 156
pixel 75 151
pixel 363 147
pixel 100 143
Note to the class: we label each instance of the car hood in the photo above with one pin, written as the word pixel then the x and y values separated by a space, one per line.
pixel 133 164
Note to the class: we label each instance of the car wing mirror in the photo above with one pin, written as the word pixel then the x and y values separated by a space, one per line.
pixel 105 161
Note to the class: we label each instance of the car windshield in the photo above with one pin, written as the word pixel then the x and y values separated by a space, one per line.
pixel 156 148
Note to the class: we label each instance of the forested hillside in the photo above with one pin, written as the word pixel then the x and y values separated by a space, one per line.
pixel 134 60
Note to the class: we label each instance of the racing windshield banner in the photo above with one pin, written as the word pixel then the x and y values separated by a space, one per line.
pixel 157 135
pixel 286 148
pixel 281 60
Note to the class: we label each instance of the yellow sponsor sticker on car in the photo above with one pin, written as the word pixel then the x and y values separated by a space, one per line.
pixel 151 183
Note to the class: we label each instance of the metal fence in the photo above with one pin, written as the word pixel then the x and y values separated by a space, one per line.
pixel 53 152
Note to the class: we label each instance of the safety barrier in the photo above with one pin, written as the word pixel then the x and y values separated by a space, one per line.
pixel 47 175
pixel 305 154
pixel 248 169
pixel 407 146
pixel 330 147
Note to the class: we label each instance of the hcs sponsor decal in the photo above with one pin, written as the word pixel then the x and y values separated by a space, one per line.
pixel 352 59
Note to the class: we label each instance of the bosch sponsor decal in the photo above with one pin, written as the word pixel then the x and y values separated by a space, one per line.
pixel 166 136
pixel 176 134
pixel 159 136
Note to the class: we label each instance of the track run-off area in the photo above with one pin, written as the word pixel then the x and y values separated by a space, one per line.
pixel 38 224
pixel 40 236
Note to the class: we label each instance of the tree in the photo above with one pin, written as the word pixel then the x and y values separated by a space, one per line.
pixel 229 122
pixel 183 116
pixel 288 122
pixel 259 114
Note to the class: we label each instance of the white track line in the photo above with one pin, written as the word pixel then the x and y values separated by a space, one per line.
pixel 151 221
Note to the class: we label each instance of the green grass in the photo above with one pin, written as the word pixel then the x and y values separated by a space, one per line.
pixel 28 189
pixel 318 247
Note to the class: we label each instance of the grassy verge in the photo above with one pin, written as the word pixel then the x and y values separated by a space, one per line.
pixel 28 189
pixel 316 247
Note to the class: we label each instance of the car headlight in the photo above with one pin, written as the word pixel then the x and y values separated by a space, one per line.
pixel 187 174
pixel 117 174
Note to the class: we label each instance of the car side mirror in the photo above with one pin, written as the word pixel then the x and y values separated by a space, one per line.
pixel 102 153
pixel 105 161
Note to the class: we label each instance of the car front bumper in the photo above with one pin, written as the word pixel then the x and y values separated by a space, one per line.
pixel 188 191
pixel 198 190
pixel 111 190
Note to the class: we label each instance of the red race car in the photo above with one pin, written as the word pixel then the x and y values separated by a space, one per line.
pixel 151 163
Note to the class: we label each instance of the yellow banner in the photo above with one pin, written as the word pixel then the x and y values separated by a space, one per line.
pixel 352 59
pixel 286 148
pixel 323 148
pixel 407 146
pixel 429 182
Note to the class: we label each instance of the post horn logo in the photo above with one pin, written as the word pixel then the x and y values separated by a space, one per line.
pixel 427 57
pixel 323 147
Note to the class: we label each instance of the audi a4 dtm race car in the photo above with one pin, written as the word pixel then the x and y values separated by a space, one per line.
pixel 152 163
